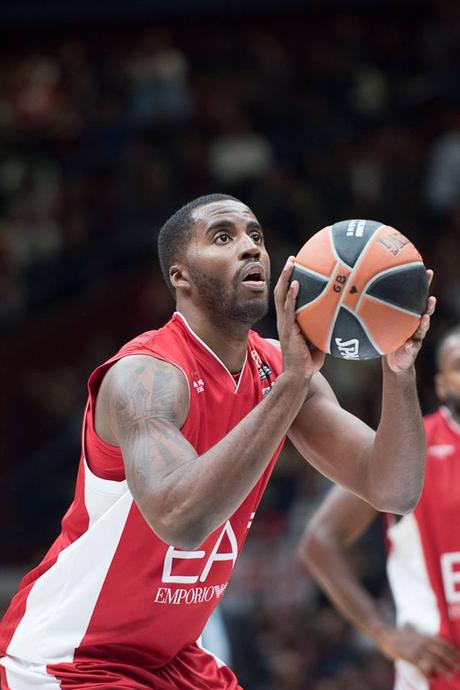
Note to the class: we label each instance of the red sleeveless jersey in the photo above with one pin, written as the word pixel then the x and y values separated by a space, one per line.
pixel 109 590
pixel 424 555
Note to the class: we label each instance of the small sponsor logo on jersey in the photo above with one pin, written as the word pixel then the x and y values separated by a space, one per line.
pixel 441 450
pixel 394 242
pixel 356 228
pixel 264 371
pixel 193 595
pixel 199 385
pixel 255 356
pixel 349 349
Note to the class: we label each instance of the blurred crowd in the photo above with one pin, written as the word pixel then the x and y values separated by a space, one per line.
pixel 309 118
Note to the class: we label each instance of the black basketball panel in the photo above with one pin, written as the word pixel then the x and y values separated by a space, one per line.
pixel 402 286
pixel 349 339
pixel 351 236
pixel 310 285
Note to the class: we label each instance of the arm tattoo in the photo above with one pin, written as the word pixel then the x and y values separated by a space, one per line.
pixel 146 411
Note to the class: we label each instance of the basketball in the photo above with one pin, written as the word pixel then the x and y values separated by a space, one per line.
pixel 363 289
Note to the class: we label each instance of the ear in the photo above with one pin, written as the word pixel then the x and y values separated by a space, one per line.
pixel 440 387
pixel 179 277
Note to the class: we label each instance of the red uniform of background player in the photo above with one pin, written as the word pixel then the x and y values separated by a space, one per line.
pixel 180 435
pixel 423 563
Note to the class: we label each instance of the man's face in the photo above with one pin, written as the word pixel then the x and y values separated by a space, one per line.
pixel 228 263
pixel 448 379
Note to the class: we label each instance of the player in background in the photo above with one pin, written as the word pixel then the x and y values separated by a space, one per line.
pixel 181 431
pixel 423 561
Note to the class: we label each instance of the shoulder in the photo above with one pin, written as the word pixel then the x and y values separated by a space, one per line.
pixel 145 383
pixel 133 370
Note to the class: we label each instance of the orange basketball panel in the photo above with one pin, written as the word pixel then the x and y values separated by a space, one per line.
pixel 317 253
pixel 386 249
pixel 388 326
pixel 316 318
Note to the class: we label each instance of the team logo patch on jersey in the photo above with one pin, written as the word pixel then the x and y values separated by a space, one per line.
pixel 199 385
pixel 442 450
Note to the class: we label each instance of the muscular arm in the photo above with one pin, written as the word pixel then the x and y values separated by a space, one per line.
pixel 339 522
pixel 141 405
pixel 336 525
pixel 385 468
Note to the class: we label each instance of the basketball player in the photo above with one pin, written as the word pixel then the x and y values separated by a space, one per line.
pixel 424 553
pixel 181 431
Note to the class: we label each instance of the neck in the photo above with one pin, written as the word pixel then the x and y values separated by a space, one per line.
pixel 227 339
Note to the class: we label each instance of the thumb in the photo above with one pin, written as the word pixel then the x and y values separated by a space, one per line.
pixel 317 356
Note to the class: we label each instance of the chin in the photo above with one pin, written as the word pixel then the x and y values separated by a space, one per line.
pixel 251 311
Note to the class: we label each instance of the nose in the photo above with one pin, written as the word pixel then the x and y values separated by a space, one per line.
pixel 248 248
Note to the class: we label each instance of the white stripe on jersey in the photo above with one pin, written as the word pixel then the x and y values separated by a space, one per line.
pixel 408 677
pixel 22 676
pixel 411 588
pixel 61 602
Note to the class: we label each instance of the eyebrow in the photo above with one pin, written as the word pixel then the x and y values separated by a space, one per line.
pixel 250 225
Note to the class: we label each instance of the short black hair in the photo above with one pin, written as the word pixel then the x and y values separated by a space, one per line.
pixel 453 332
pixel 174 236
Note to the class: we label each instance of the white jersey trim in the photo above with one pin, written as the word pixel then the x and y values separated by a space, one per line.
pixel 450 421
pixel 216 357
pixel 414 597
pixel 62 600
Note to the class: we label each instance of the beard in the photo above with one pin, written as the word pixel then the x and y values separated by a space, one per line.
pixel 223 302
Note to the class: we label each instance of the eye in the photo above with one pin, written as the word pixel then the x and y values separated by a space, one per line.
pixel 222 238
pixel 257 237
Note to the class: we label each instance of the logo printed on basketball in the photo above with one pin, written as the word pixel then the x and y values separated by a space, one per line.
pixel 349 349
pixel 356 228
pixel 340 281
pixel 394 242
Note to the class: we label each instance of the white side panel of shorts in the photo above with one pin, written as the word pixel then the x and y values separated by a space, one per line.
pixel 409 580
pixel 409 678
pixel 61 602
pixel 20 676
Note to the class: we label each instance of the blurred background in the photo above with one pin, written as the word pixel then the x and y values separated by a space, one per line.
pixel 113 114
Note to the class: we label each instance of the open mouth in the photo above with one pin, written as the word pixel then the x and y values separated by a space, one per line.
pixel 253 273
pixel 254 276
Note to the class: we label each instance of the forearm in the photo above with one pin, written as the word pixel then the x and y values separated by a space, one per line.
pixel 397 459
pixel 200 493
pixel 329 565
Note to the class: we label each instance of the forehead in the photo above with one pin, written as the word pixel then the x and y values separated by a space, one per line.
pixel 450 350
pixel 226 209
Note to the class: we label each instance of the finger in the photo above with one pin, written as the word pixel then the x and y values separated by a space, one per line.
pixel 422 330
pixel 440 665
pixel 289 304
pixel 430 665
pixel 446 650
pixel 431 305
pixel 424 666
pixel 317 356
pixel 429 275
pixel 282 285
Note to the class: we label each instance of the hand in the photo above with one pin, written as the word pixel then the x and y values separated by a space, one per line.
pixel 298 357
pixel 403 358
pixel 431 654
